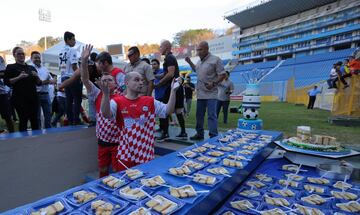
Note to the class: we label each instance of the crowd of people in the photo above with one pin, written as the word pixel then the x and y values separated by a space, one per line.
pixel 339 71
pixel 123 104
pixel 342 70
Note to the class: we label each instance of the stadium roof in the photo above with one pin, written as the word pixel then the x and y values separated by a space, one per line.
pixel 271 10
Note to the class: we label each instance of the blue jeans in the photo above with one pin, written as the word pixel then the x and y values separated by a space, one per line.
pixel 73 101
pixel 201 105
pixel 45 106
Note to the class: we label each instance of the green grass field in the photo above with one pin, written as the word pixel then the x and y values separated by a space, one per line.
pixel 286 117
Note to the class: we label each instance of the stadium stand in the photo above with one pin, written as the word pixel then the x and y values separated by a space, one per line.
pixel 297 41
pixel 305 70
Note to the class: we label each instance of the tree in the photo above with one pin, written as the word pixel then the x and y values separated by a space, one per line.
pixel 229 31
pixel 193 36
pixel 50 41
pixel 145 49
pixel 24 43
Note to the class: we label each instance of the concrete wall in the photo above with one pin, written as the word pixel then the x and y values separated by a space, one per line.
pixel 36 167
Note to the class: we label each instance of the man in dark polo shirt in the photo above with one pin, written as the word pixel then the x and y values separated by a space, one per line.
pixel 23 79
pixel 171 70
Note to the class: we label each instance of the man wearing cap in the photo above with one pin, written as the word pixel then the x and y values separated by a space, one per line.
pixel 137 65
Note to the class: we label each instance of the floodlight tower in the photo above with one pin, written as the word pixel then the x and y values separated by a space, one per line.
pixel 45 16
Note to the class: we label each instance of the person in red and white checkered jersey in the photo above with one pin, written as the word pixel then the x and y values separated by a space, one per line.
pixel 138 119
pixel 107 130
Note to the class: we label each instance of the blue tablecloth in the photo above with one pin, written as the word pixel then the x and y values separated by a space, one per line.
pixel 159 166
pixel 272 168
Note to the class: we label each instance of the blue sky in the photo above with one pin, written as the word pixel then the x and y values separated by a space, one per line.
pixel 105 22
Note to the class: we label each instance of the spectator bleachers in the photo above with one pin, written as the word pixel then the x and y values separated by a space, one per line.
pixel 305 70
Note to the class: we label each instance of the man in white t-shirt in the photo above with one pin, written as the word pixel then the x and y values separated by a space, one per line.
pixel 43 90
pixel 68 64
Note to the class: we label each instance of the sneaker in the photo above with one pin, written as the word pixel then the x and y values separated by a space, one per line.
pixel 163 137
pixel 182 136
pixel 197 137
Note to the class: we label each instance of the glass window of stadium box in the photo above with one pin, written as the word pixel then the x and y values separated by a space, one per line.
pixel 322 41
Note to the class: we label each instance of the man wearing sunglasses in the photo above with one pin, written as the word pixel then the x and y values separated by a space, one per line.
pixel 145 70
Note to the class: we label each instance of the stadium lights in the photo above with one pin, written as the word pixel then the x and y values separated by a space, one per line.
pixel 45 16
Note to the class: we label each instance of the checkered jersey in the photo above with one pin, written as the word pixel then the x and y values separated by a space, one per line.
pixel 139 138
pixel 107 130
pixel 137 131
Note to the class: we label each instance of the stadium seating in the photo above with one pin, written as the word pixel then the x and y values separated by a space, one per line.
pixel 306 70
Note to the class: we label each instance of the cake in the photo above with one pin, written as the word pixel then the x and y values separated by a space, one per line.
pixel 252 125
pixel 102 207
pixel 250 105
pixel 276 201
pixel 193 164
pixel 83 196
pixel 274 211
pixel 218 171
pixel 180 171
pixel 55 208
pixel 313 180
pixel 344 195
pixel 153 182
pixel 243 205
pixel 263 177
pixel 308 210
pixel 314 199
pixel 352 206
pixel 232 163
pixel 303 133
pixel 183 192
pixel 288 183
pixel 283 192
pixel 141 211
pixel 207 159
pixel 252 90
pixel 314 189
pixel 134 173
pixel 304 140
pixel 132 193
pixel 256 184
pixel 112 182
pixel 204 179
pixel 161 205
pixel 324 140
pixel 249 193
